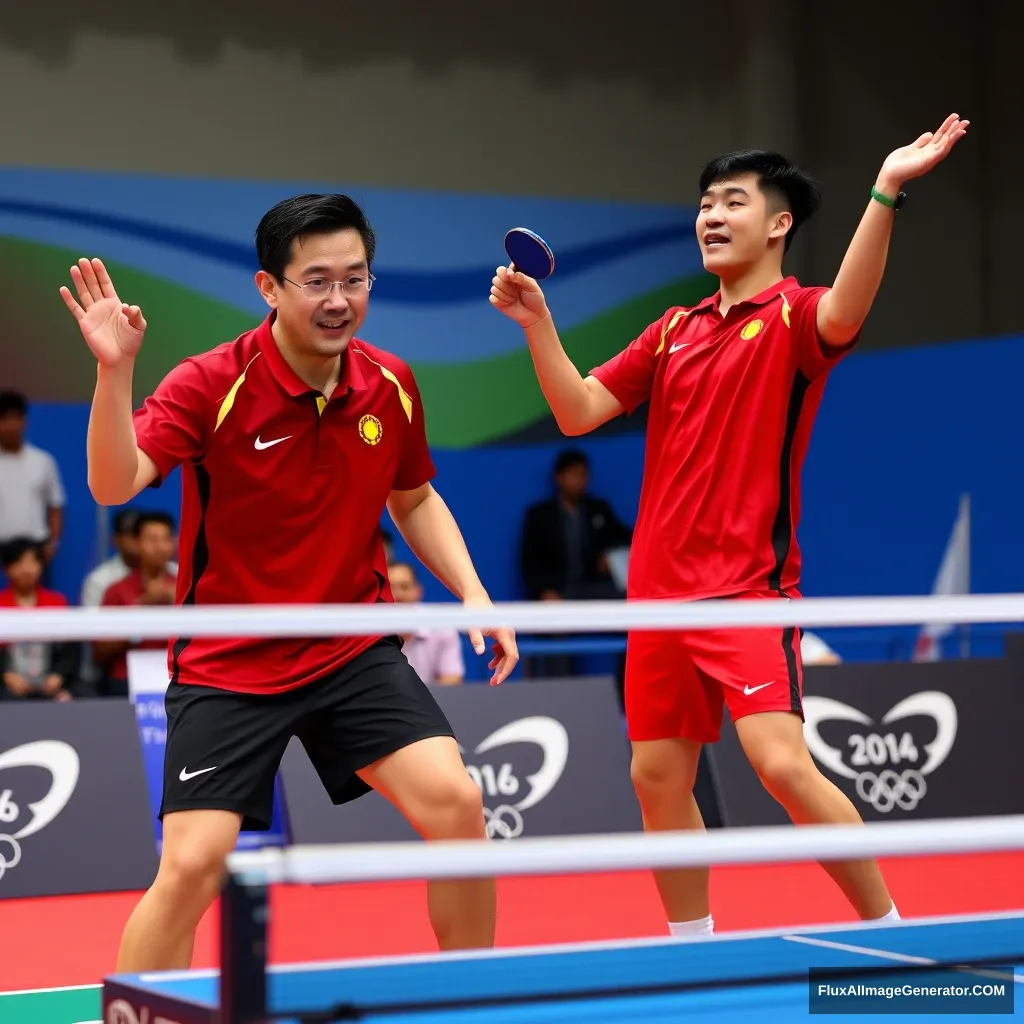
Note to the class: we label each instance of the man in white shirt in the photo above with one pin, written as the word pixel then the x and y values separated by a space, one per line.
pixel 115 568
pixel 31 490
pixel 435 654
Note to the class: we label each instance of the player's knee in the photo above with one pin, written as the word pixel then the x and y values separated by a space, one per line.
pixel 658 778
pixel 193 860
pixel 784 773
pixel 455 810
pixel 192 867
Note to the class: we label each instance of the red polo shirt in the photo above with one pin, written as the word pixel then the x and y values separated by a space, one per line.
pixel 128 592
pixel 44 599
pixel 282 495
pixel 732 401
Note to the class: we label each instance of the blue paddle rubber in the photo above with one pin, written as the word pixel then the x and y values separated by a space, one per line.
pixel 529 253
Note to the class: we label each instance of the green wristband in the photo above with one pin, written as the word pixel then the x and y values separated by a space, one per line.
pixel 893 204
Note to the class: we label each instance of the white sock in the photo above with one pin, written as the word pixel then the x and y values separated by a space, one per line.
pixel 893 915
pixel 680 929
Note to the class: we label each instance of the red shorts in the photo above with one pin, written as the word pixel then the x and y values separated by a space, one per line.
pixel 677 682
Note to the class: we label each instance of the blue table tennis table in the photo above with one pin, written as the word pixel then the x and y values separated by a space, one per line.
pixel 739 977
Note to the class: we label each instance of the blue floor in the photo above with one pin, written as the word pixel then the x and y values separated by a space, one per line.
pixel 743 968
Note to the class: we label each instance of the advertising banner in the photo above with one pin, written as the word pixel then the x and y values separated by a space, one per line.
pixel 902 740
pixel 74 812
pixel 551 757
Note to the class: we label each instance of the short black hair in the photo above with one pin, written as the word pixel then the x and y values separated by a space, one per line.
pixel 783 183
pixel 569 458
pixel 143 519
pixel 14 550
pixel 124 522
pixel 311 214
pixel 13 401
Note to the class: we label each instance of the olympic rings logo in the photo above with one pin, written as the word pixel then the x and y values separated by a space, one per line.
pixel 889 789
pixel 503 822
pixel 8 844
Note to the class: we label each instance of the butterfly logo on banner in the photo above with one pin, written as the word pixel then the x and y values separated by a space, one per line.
pixel 499 781
pixel 885 761
pixel 61 761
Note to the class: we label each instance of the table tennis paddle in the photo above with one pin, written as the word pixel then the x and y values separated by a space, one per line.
pixel 529 253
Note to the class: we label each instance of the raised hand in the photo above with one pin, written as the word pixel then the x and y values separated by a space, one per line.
pixel 921 156
pixel 518 297
pixel 112 329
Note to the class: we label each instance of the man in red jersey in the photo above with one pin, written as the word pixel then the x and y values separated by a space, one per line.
pixel 733 384
pixel 292 439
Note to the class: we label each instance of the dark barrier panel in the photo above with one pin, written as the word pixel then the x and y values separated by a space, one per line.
pixel 74 811
pixel 551 757
pixel 902 740
pixel 147 682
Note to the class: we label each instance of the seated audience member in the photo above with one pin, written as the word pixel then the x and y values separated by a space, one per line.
pixel 119 564
pixel 814 650
pixel 566 539
pixel 435 654
pixel 43 670
pixel 150 583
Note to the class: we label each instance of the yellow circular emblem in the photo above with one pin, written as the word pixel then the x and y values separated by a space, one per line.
pixel 370 429
pixel 751 329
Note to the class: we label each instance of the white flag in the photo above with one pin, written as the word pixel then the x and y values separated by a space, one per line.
pixel 954 577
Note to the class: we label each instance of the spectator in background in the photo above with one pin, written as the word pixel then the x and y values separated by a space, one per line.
pixel 814 650
pixel 42 670
pixel 150 583
pixel 435 654
pixel 115 568
pixel 566 548
pixel 567 539
pixel 122 562
pixel 31 490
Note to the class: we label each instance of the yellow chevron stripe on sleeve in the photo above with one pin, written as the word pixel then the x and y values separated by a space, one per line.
pixel 229 398
pixel 672 323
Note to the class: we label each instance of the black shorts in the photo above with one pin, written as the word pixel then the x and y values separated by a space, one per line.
pixel 224 748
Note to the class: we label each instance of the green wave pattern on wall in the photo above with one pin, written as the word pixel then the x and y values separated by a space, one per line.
pixel 499 396
pixel 466 404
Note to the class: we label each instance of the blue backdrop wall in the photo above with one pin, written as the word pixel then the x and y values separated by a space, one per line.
pixel 900 436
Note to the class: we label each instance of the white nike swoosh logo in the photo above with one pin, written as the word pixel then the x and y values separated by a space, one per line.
pixel 260 445
pixel 186 774
pixel 676 348
pixel 748 690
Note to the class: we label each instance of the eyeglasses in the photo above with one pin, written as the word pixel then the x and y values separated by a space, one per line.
pixel 322 287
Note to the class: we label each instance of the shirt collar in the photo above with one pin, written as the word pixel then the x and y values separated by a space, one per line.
pixel 761 299
pixel 351 378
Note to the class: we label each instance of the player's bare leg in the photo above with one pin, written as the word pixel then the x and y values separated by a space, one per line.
pixel 664 773
pixel 160 933
pixel 428 782
pixel 774 745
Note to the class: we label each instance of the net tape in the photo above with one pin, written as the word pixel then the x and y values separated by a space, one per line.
pixel 293 620
pixel 405 861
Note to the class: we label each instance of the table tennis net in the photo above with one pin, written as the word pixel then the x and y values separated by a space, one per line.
pixel 952 953
pixel 626 971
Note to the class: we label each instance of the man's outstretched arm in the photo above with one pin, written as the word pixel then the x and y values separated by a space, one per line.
pixel 843 310
pixel 578 404
pixel 428 527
